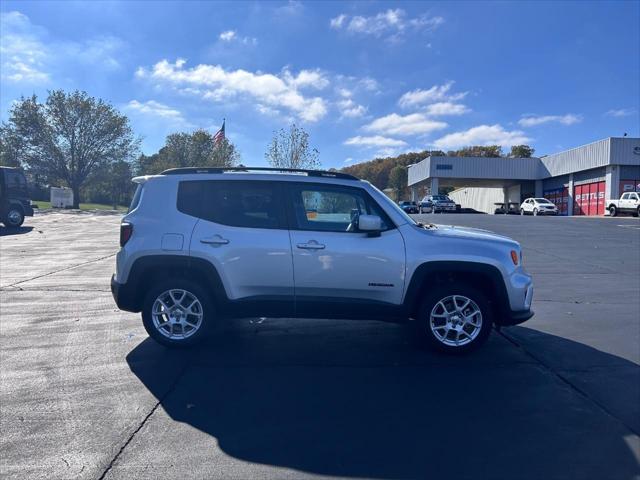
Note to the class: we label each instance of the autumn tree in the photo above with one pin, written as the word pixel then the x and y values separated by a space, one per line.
pixel 477 151
pixel 70 137
pixel 290 149
pixel 398 180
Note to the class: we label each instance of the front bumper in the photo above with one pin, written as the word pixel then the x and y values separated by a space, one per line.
pixel 445 208
pixel 515 317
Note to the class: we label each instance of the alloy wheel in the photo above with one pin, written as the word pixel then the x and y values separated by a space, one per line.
pixel 177 314
pixel 455 320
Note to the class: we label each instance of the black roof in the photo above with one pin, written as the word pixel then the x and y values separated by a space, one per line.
pixel 309 173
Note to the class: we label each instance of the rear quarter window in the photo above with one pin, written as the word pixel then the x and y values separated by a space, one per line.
pixel 135 201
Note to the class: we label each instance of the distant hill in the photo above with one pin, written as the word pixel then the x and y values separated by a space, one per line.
pixel 377 171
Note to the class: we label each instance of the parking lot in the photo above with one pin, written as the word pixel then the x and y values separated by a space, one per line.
pixel 85 394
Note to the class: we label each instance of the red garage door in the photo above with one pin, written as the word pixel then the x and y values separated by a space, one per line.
pixel 589 199
pixel 559 197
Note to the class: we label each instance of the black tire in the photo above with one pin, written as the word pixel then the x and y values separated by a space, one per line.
pixel 14 217
pixel 209 318
pixel 637 212
pixel 522 212
pixel 613 211
pixel 535 212
pixel 422 324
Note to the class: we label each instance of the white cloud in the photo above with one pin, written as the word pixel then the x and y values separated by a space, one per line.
pixel 412 124
pixel 30 56
pixel 446 108
pixel 151 107
pixel 386 152
pixel 622 112
pixel 437 93
pixel 369 84
pixel 348 160
pixel 349 108
pixel 532 120
pixel 482 135
pixel 374 141
pixel 307 78
pixel 23 54
pixel 227 36
pixel 338 21
pixel 269 90
pixel 393 23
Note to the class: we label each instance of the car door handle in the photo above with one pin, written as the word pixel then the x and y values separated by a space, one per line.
pixel 215 240
pixel 312 245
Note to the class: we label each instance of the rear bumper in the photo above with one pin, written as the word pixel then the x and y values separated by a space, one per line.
pixel 124 296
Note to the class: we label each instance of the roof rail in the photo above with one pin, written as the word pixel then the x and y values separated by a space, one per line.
pixel 310 173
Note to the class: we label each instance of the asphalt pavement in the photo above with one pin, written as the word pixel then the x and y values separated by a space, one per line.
pixel 85 394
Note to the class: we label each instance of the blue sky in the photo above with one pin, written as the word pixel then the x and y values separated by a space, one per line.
pixel 365 79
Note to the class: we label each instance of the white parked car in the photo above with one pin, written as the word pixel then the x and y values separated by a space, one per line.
pixel 538 206
pixel 202 246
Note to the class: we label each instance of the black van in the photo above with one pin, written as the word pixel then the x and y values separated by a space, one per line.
pixel 14 197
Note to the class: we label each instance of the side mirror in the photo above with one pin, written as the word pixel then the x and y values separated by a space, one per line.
pixel 371 224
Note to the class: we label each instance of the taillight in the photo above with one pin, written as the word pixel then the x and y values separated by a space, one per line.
pixel 126 230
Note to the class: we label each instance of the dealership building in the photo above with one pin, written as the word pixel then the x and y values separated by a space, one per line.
pixel 578 180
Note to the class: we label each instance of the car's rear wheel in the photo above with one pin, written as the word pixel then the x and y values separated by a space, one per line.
pixel 613 211
pixel 637 212
pixel 178 313
pixel 535 212
pixel 454 318
pixel 14 218
pixel 522 211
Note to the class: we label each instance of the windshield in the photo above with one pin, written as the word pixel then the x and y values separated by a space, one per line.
pixel 394 206
pixel 440 197
pixel 542 200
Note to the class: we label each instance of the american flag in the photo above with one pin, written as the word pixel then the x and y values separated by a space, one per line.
pixel 219 136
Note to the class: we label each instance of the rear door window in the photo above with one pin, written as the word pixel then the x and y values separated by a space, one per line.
pixel 237 203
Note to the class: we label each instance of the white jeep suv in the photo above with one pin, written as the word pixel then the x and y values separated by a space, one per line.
pixel 200 246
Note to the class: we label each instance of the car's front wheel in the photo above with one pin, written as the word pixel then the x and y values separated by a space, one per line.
pixel 178 313
pixel 454 318
pixel 535 212
pixel 613 211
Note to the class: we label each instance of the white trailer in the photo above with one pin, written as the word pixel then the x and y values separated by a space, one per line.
pixel 61 197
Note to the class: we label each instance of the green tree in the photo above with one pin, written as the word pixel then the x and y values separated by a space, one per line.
pixel 10 148
pixel 70 137
pixel 182 149
pixel 224 154
pixel 290 149
pixel 522 151
pixel 398 177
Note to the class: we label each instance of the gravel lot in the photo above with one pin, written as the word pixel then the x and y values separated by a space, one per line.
pixel 85 394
